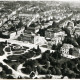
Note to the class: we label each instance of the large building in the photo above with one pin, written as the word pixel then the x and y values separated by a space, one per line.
pixel 49 33
pixel 39 40
pixel 29 38
pixel 56 36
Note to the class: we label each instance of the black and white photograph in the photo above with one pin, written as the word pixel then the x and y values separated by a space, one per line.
pixel 40 39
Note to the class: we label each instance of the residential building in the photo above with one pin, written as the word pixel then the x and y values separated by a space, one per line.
pixel 65 49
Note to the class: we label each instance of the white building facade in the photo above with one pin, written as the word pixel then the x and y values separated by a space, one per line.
pixel 65 49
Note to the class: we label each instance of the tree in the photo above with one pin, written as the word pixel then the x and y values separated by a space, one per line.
pixel 10 77
pixel 70 40
pixel 70 51
pixel 47 64
pixel 39 69
pixel 58 71
pixel 41 32
pixel 54 24
pixel 53 71
pixel 7 49
pixel 45 56
pixel 25 27
pixel 20 24
pixel 54 47
pixel 71 74
pixel 52 61
pixel 19 77
pixel 56 55
pixel 48 76
pixel 32 74
pixel 38 51
pixel 78 40
pixel 27 70
pixel 43 71
pixel 9 71
pixel 14 66
pixel 59 46
pixel 65 71
pixel 67 31
pixel 3 74
pixel 49 72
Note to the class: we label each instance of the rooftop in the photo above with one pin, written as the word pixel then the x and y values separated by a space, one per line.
pixel 54 30
pixel 67 46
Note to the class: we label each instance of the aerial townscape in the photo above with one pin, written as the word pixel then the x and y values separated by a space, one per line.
pixel 39 40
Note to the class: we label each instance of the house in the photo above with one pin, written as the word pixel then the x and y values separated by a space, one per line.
pixel 65 49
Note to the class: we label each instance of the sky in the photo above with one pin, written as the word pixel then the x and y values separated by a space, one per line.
pixel 45 0
pixel 69 0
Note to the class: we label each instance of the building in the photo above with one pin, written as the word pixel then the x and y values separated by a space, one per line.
pixel 49 33
pixel 71 30
pixel 29 38
pixel 33 28
pixel 28 35
pixel 39 40
pixel 77 32
pixel 56 40
pixel 65 49
pixel 56 36
pixel 70 26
